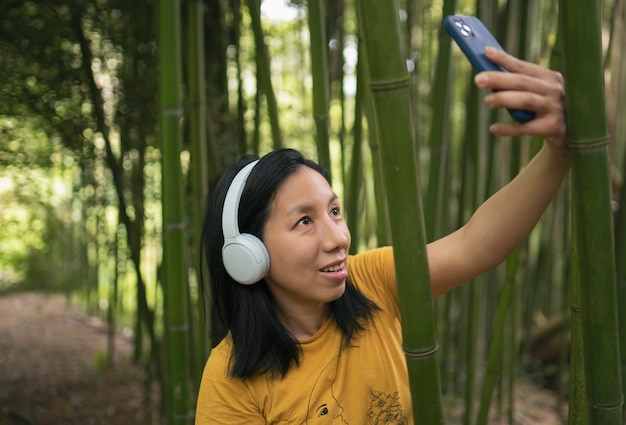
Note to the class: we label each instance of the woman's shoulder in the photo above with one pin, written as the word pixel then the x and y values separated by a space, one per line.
pixel 219 357
pixel 222 398
pixel 376 263
pixel 373 273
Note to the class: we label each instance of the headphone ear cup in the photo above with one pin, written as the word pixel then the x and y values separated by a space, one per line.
pixel 245 258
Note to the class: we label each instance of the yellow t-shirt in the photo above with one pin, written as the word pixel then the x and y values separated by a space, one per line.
pixel 364 383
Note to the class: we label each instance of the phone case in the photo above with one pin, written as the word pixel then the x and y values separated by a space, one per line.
pixel 471 35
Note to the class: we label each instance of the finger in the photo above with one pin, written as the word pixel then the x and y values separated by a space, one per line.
pixel 547 127
pixel 549 113
pixel 550 127
pixel 513 64
pixel 529 101
pixel 522 76
pixel 494 80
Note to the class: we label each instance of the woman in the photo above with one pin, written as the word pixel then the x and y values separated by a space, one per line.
pixel 312 335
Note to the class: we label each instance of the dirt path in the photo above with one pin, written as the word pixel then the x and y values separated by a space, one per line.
pixel 50 372
pixel 51 367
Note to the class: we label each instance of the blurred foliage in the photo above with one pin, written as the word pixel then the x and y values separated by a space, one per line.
pixel 38 69
pixel 80 176
pixel 33 192
pixel 55 132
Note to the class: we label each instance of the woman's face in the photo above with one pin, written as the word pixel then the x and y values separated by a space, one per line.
pixel 308 242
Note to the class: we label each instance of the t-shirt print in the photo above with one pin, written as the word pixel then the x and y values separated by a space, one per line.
pixel 325 405
pixel 385 409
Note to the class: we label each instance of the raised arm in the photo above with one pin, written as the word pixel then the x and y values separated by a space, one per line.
pixel 502 222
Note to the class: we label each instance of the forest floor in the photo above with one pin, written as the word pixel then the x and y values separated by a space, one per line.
pixel 52 368
pixel 52 372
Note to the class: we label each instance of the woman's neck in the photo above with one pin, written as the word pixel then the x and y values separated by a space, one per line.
pixel 303 323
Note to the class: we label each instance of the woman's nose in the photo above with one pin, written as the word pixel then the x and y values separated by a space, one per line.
pixel 335 234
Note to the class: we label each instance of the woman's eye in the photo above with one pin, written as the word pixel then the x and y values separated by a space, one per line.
pixel 304 221
pixel 335 211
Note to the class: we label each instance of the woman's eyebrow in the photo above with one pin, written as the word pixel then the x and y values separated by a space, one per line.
pixel 308 208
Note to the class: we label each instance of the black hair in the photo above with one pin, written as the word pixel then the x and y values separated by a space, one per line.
pixel 261 344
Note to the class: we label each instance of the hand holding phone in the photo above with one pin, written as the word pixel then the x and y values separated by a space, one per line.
pixel 471 35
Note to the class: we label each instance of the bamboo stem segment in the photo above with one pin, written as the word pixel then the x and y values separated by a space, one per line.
pixel 391 95
pixel 175 279
pixel 592 218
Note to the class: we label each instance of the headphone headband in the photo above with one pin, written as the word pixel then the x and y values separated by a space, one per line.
pixel 244 256
pixel 230 222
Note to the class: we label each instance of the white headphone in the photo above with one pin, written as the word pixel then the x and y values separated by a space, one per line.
pixel 245 257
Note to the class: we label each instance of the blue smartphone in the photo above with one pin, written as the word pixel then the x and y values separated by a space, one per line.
pixel 472 36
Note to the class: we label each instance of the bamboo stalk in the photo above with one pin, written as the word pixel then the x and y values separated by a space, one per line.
pixel 390 90
pixel 438 140
pixel 476 169
pixel 241 103
pixel 618 136
pixel 174 240
pixel 383 230
pixel 496 343
pixel 319 74
pixel 578 412
pixel 620 250
pixel 355 176
pixel 199 170
pixel 592 221
pixel 264 74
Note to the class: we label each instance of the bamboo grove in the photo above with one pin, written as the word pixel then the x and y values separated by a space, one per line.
pixel 130 109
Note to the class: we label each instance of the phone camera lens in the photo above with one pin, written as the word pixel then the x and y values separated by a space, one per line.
pixel 464 29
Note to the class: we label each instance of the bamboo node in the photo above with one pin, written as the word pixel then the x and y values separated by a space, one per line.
pixel 188 415
pixel 179 328
pixel 575 308
pixel 179 225
pixel 321 117
pixel 607 408
pixel 588 143
pixel 390 85
pixel 421 354
pixel 173 112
